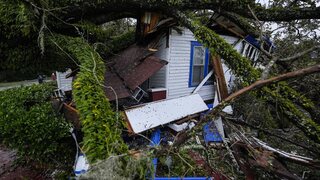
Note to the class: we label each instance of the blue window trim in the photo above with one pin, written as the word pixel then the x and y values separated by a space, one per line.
pixel 196 43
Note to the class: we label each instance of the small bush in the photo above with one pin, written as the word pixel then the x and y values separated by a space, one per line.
pixel 29 124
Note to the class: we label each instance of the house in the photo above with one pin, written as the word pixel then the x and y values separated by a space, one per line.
pixel 167 63
pixel 170 63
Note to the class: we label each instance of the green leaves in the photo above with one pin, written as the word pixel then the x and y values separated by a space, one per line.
pixel 29 124
pixel 102 131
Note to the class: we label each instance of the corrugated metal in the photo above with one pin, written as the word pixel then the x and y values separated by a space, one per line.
pixel 158 113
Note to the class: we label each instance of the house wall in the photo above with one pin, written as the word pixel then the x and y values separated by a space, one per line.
pixel 64 83
pixel 175 76
pixel 158 80
pixel 238 45
pixel 179 66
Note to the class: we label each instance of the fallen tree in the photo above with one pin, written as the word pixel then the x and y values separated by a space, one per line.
pixel 75 22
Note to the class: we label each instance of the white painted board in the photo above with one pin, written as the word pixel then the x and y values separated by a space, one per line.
pixel 64 83
pixel 158 113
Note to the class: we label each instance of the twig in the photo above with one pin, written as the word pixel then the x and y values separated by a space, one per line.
pixel 267 132
pixel 184 135
pixel 296 56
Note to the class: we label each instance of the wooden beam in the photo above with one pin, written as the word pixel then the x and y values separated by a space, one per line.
pixel 231 30
pixel 219 75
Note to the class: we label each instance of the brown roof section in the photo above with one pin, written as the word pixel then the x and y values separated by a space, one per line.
pixel 129 58
pixel 143 71
pixel 114 81
pixel 129 69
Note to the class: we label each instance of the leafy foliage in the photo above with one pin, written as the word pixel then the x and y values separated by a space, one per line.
pixel 16 19
pixel 101 128
pixel 29 124
pixel 247 74
pixel 121 167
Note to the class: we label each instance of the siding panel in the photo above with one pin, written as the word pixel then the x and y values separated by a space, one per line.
pixel 159 78
pixel 178 79
pixel 176 72
pixel 64 83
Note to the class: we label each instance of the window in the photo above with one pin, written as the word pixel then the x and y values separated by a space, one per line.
pixel 200 65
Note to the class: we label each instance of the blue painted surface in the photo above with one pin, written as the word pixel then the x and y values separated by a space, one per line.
pixel 211 133
pixel 183 178
pixel 207 55
pixel 210 106
pixel 155 138
pixel 256 43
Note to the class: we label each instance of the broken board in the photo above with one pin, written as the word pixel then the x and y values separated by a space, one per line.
pixel 150 115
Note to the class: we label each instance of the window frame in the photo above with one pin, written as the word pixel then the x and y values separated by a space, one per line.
pixel 206 64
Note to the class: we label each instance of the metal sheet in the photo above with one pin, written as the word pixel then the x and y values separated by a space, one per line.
pixel 143 71
pixel 148 116
pixel 114 81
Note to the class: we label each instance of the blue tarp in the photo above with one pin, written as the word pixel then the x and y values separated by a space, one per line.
pixel 155 138
pixel 211 133
pixel 184 178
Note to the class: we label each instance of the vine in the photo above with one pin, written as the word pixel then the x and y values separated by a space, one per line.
pixel 247 74
pixel 102 131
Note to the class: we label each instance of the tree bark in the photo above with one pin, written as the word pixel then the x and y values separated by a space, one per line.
pixel 88 10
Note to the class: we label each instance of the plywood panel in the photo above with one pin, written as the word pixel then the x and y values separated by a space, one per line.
pixel 158 113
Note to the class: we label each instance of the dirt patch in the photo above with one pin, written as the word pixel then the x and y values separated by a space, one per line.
pixel 22 173
pixel 7 158
pixel 10 171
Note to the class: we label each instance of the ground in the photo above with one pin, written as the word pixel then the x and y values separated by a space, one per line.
pixel 9 170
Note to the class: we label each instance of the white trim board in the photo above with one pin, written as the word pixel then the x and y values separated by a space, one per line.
pixel 150 115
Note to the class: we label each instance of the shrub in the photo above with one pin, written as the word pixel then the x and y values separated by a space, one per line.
pixel 29 124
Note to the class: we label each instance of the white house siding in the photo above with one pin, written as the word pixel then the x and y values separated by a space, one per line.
pixel 158 80
pixel 179 67
pixel 227 74
pixel 64 83
pixel 175 76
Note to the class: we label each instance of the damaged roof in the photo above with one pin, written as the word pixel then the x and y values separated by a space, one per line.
pixel 129 69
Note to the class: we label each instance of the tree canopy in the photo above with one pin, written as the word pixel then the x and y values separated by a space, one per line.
pixel 31 32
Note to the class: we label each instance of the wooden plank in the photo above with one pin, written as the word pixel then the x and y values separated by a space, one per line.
pixel 219 75
pixel 203 82
pixel 147 116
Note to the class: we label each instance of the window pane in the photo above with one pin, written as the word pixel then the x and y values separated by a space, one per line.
pixel 197 74
pixel 211 79
pixel 198 55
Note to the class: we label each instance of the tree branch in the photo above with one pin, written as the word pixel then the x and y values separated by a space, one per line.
pixel 286 76
pixel 258 84
pixel 296 56
pixel 91 9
